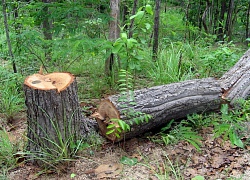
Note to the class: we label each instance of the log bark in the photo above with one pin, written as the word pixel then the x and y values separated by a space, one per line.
pixel 167 102
pixel 235 83
pixel 54 115
pixel 177 100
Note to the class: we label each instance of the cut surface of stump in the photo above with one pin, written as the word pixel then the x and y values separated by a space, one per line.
pixel 53 113
pixel 58 81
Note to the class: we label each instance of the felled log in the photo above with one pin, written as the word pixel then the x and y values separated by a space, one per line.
pixel 53 113
pixel 177 100
pixel 163 103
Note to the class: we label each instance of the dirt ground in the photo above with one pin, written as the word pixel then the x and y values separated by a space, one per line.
pixel 217 159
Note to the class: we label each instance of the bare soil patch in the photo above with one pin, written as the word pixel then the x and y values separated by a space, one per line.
pixel 217 159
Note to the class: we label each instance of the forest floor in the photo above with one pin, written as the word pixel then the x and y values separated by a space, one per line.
pixel 217 159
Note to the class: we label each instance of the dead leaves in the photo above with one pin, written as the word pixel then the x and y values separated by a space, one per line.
pixel 107 171
pixel 218 159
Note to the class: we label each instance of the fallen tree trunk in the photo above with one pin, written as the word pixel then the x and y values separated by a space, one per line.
pixel 164 103
pixel 176 101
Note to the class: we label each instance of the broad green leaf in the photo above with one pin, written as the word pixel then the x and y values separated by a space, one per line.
pixel 110 126
pixel 149 9
pixel 124 36
pixel 116 48
pixel 122 124
pixel 138 15
pixel 72 175
pixel 198 178
pixel 148 26
pixel 128 161
pixel 110 132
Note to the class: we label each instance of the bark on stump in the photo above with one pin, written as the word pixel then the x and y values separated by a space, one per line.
pixel 54 114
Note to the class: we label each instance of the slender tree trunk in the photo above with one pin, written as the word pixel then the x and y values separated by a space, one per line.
pixel 156 28
pixel 8 36
pixel 247 22
pixel 187 32
pixel 130 34
pixel 46 24
pixel 204 17
pixel 221 20
pixel 229 21
pixel 215 15
pixel 114 33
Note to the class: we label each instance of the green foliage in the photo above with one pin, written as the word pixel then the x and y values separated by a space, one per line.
pixel 128 161
pixel 171 65
pixel 7 151
pixel 11 100
pixel 228 126
pixel 130 49
pixel 127 99
pixel 180 132
pixel 198 178
pixel 218 62
pixel 165 168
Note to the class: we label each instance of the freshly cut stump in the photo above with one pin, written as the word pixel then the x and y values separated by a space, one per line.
pixel 54 114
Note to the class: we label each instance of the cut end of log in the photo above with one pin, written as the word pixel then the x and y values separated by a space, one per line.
pixel 57 81
pixel 104 115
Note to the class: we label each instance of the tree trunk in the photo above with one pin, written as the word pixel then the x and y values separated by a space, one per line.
pixel 221 20
pixel 229 21
pixel 177 100
pixel 54 115
pixel 247 23
pixel 130 34
pixel 167 102
pixel 156 28
pixel 47 32
pixel 6 26
pixel 114 32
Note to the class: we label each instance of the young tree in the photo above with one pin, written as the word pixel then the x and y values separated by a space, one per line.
pixel 8 36
pixel 114 32
pixel 46 25
pixel 156 28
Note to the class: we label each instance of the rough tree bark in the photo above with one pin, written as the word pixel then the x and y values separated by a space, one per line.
pixel 53 113
pixel 114 33
pixel 156 28
pixel 177 100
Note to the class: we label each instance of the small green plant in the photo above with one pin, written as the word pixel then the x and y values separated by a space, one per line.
pixel 11 101
pixel 219 61
pixel 172 135
pixel 228 126
pixel 165 168
pixel 171 65
pixel 128 161
pixel 126 99
pixel 8 158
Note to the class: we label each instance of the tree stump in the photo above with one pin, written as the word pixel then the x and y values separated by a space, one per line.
pixel 54 115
